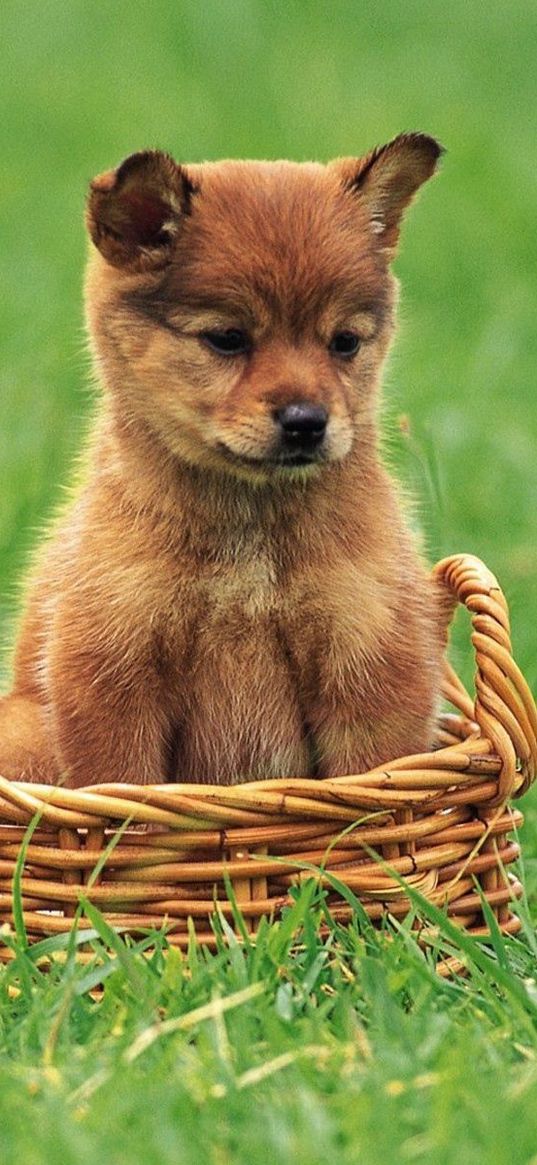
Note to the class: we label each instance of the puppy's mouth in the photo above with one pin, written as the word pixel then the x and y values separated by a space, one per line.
pixel 285 459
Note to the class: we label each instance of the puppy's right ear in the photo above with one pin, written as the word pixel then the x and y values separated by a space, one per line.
pixel 133 213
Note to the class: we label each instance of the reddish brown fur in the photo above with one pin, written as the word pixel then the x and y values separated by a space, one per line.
pixel 203 613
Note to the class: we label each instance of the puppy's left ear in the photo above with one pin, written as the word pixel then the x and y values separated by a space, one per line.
pixel 387 179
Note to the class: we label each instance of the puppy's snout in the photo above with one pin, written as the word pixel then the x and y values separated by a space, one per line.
pixel 303 425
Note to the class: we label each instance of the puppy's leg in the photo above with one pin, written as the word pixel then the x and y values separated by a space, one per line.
pixel 26 751
pixel 365 717
pixel 109 719
pixel 350 743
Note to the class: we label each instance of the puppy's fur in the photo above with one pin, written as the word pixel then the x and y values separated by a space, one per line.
pixel 230 597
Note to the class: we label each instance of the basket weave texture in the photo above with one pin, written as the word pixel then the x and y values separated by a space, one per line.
pixel 438 822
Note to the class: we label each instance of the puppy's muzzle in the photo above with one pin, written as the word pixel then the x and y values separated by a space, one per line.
pixel 302 427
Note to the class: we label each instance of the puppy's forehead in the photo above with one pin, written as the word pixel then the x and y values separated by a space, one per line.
pixel 286 235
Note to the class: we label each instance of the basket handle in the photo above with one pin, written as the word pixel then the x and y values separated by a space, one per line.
pixel 504 707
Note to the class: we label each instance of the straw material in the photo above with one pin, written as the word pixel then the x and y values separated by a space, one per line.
pixel 438 822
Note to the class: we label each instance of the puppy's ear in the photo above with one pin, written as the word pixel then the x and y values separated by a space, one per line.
pixel 134 212
pixel 387 179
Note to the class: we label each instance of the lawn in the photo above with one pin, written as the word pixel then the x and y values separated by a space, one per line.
pixel 347 1049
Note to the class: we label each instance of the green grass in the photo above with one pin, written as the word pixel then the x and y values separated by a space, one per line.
pixel 348 1049
pixel 291 1049
pixel 352 1051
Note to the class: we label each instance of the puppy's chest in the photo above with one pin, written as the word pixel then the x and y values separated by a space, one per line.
pixel 247 607
pixel 213 607
pixel 246 586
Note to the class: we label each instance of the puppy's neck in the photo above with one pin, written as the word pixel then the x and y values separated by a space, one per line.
pixel 215 512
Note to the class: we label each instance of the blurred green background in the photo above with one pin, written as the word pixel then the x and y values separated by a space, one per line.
pixel 85 83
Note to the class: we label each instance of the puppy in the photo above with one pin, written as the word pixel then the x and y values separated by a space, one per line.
pixel 234 593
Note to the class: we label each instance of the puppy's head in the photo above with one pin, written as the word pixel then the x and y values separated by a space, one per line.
pixel 243 309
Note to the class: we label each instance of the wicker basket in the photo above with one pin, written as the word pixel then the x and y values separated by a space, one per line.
pixel 438 822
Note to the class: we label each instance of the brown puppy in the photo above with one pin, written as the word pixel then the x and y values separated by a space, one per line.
pixel 234 594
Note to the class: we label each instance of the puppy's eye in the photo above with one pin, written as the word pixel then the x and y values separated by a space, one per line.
pixel 229 342
pixel 344 344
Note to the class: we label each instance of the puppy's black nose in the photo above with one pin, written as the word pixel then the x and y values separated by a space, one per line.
pixel 303 425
